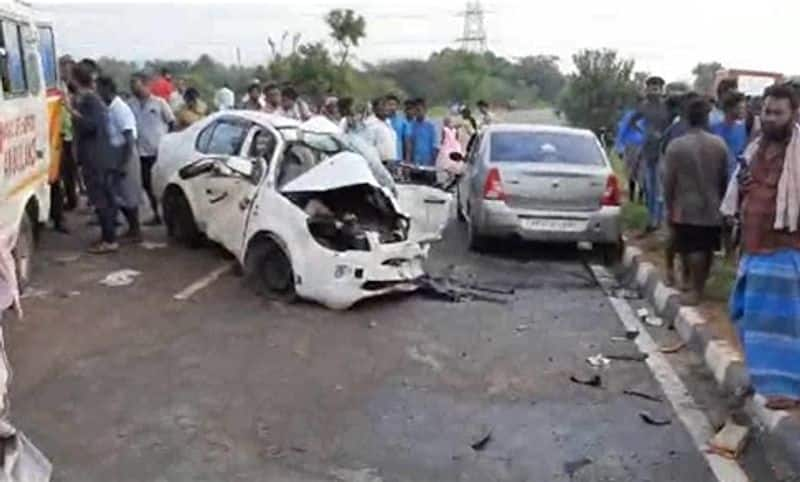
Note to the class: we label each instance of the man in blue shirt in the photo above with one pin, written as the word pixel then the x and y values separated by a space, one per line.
pixel 422 144
pixel 399 123
pixel 732 127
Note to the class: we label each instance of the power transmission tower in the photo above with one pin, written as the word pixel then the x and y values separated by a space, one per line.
pixel 474 37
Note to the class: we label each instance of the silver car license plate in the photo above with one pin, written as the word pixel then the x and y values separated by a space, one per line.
pixel 555 225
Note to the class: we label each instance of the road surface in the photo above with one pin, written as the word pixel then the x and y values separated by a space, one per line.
pixel 129 384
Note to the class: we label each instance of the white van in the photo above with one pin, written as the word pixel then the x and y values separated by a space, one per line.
pixel 30 109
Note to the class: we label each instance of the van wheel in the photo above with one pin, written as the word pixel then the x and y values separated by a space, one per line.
pixel 23 252
pixel 178 216
pixel 269 269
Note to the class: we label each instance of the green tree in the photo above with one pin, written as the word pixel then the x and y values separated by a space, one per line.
pixel 542 71
pixel 704 74
pixel 347 29
pixel 602 84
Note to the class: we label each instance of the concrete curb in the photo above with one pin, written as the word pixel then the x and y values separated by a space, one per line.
pixel 722 359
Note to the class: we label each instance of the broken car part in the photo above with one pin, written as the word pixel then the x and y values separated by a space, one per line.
pixel 651 420
pixel 646 396
pixel 593 381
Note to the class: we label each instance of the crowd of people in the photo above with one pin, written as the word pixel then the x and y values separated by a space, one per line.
pixel 724 176
pixel 111 138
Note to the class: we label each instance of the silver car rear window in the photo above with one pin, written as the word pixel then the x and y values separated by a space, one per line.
pixel 545 147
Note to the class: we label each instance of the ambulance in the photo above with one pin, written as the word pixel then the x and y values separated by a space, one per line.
pixel 30 120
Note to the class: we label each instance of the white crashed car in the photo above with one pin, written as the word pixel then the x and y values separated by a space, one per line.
pixel 305 212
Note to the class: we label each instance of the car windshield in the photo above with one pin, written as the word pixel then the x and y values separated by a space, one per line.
pixel 545 147
pixel 310 148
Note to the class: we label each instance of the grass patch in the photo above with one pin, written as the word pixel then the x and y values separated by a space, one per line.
pixel 720 282
pixel 634 217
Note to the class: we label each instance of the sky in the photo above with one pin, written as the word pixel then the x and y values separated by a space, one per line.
pixel 665 38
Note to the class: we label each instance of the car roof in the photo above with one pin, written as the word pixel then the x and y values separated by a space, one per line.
pixel 276 121
pixel 554 129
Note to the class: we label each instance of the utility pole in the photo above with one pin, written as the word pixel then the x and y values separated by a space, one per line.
pixel 474 37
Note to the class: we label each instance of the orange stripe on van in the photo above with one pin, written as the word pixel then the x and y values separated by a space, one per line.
pixel 29 181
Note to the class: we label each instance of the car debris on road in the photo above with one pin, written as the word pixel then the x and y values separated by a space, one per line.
pixel 651 420
pixel 123 277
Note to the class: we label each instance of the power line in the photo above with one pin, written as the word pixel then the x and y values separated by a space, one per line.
pixel 473 38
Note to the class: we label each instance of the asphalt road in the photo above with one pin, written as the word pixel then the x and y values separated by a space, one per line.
pixel 128 384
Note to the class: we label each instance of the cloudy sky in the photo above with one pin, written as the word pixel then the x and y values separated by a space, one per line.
pixel 663 37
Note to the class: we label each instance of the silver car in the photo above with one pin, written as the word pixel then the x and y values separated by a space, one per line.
pixel 540 183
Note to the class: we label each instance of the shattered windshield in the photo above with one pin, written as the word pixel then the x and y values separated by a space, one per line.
pixel 310 148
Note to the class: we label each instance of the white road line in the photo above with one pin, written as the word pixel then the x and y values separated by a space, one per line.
pixel 203 282
pixel 691 416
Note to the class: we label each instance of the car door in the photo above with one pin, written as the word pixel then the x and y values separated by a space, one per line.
pixel 229 186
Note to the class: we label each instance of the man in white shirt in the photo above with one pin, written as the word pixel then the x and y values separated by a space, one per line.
pixel 379 131
pixel 154 119
pixel 122 136
pixel 224 99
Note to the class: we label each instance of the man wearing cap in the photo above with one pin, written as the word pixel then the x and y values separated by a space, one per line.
pixel 656 116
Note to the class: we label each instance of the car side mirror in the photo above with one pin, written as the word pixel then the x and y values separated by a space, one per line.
pixel 240 166
pixel 456 156
pixel 197 168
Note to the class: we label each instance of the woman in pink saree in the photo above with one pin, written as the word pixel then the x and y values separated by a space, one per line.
pixel 445 166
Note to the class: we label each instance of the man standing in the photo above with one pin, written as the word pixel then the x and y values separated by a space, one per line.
pixel 253 99
pixel 694 183
pixel 176 100
pixel 224 98
pixel 91 137
pixel 486 117
pixel 122 137
pixel 398 122
pixel 765 303
pixel 293 106
pixel 656 118
pixel 154 118
pixel 422 145
pixel 723 87
pixel 380 132
pixel 161 85
pixel 732 128
pixel 272 99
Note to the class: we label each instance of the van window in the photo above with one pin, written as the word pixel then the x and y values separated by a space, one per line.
pixel 31 63
pixel 13 72
pixel 47 51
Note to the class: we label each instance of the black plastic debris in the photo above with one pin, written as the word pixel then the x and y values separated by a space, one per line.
pixel 639 357
pixel 646 396
pixel 631 334
pixel 572 467
pixel 454 290
pixel 482 440
pixel 651 420
pixel 593 381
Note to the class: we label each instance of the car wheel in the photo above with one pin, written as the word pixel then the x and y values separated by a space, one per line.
pixel 270 271
pixel 459 212
pixel 23 252
pixel 611 253
pixel 178 216
pixel 477 242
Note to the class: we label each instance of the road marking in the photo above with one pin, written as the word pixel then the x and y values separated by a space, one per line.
pixel 693 419
pixel 203 282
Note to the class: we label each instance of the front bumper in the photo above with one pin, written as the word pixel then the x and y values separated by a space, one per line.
pixel 338 280
pixel 496 219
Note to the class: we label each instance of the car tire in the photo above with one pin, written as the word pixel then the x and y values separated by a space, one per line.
pixel 459 212
pixel 611 253
pixel 269 270
pixel 23 252
pixel 477 243
pixel 179 219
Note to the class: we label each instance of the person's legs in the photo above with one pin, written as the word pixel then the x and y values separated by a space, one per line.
pixel 631 190
pixel 69 176
pixel 57 206
pixel 134 233
pixel 699 270
pixel 147 163
pixel 106 208
pixel 669 255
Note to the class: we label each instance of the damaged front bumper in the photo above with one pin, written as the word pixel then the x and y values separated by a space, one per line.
pixel 338 280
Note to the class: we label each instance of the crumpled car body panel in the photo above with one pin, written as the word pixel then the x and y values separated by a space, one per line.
pixel 336 279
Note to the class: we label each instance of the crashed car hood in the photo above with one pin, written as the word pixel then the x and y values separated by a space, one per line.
pixel 341 170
